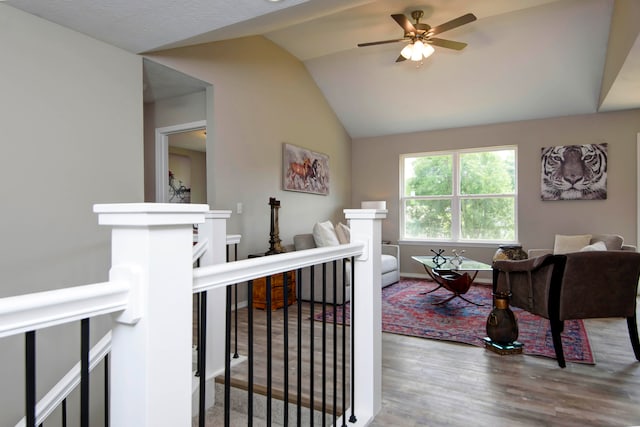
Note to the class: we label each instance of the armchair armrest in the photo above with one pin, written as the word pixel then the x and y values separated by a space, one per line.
pixel 391 250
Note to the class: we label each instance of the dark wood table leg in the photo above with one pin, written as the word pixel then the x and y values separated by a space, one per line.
pixel 434 279
pixel 457 286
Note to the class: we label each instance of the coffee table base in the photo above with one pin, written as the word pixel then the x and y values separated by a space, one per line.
pixel 454 282
pixel 456 295
pixel 455 274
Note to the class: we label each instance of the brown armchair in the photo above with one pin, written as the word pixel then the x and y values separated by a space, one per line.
pixel 579 285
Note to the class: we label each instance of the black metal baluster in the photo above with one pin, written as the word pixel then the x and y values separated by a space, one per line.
pixel 30 374
pixel 235 288
pixel 352 418
pixel 84 373
pixel 235 321
pixel 201 361
pixel 269 351
pixel 285 283
pixel 106 390
pixel 324 343
pixel 299 355
pixel 335 341
pixel 344 344
pixel 227 360
pixel 312 347
pixel 198 321
pixel 250 352
pixel 64 413
pixel 197 297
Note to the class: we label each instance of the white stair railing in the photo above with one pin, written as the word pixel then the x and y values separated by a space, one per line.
pixel 150 294
pixel 70 381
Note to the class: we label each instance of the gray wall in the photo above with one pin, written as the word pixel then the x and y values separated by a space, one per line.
pixel 71 136
pixel 258 102
pixel 375 166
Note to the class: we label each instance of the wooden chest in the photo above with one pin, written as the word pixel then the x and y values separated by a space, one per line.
pixel 277 291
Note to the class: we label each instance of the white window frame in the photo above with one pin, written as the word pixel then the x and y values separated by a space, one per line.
pixel 456 197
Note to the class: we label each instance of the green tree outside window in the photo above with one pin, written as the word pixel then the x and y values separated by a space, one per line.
pixel 466 195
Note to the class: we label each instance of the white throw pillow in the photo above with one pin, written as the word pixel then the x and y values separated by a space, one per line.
pixel 567 244
pixel 343 233
pixel 597 246
pixel 324 234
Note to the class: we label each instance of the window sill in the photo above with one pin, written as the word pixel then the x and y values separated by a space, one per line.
pixel 450 244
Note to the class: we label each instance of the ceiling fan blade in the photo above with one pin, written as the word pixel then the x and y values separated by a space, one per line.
pixel 380 42
pixel 449 44
pixel 401 58
pixel 404 22
pixel 464 19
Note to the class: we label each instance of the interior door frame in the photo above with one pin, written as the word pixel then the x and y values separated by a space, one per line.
pixel 162 155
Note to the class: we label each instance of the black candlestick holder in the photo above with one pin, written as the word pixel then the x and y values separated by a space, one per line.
pixel 275 246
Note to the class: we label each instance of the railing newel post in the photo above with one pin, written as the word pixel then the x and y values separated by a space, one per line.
pixel 214 231
pixel 366 381
pixel 150 380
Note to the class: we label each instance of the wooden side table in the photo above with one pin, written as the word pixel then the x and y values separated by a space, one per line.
pixel 277 291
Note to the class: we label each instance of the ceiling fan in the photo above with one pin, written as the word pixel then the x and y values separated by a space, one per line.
pixel 420 36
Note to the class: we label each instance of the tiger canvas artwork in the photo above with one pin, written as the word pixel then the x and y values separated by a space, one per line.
pixel 574 172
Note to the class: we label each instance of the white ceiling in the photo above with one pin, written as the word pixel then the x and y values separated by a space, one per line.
pixel 525 59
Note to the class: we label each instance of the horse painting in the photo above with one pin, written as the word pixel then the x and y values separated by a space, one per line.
pixel 305 170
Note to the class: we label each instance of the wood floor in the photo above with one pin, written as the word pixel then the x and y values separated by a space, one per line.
pixel 435 383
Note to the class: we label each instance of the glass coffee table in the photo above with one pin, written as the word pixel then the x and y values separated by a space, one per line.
pixel 455 277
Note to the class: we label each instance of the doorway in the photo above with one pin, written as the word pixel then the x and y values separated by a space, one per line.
pixel 185 144
pixel 188 167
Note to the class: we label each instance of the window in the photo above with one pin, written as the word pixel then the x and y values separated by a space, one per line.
pixel 463 195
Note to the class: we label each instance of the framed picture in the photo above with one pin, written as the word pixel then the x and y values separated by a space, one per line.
pixel 574 172
pixel 304 170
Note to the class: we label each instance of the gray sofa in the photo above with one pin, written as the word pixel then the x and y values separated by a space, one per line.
pixel 390 268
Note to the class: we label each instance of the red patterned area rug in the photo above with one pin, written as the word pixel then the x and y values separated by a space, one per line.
pixel 407 310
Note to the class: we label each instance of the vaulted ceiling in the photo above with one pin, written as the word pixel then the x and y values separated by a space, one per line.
pixel 525 59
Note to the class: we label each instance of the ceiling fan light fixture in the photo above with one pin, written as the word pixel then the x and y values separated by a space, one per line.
pixel 420 36
pixel 416 53
pixel 427 50
pixel 407 51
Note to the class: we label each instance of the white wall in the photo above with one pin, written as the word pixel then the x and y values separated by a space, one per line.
pixel 538 221
pixel 259 101
pixel 71 136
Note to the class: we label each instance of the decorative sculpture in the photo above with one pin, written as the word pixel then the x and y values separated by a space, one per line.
pixel 457 257
pixel 438 259
pixel 275 246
